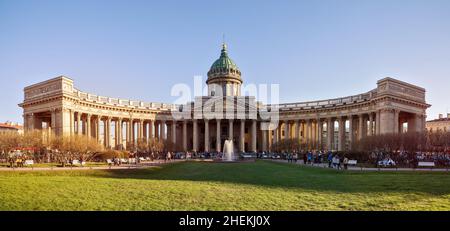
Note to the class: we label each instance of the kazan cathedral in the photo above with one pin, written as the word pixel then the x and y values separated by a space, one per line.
pixel 58 107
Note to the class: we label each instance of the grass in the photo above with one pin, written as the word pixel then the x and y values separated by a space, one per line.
pixel 261 185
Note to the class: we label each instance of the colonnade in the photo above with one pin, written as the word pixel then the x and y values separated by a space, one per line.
pixel 331 133
pixel 340 132
pixel 124 132
pixel 320 133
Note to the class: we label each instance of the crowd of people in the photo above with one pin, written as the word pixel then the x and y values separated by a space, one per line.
pixel 318 157
pixel 338 160
pixel 410 159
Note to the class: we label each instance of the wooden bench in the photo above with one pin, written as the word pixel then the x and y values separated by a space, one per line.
pixel 425 164
pixel 352 162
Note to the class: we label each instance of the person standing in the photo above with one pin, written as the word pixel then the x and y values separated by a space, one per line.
pixel 338 162
pixel 330 159
pixel 304 158
pixel 345 162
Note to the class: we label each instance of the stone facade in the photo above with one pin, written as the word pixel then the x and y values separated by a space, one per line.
pixel 440 124
pixel 331 124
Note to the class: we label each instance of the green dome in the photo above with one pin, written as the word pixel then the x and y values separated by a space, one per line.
pixel 224 63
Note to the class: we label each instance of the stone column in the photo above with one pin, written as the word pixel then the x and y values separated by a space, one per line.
pixel 274 136
pixel 28 123
pixel 242 136
pixel 116 134
pixel 119 131
pixel 341 133
pixel 195 136
pixel 422 120
pixel 377 123
pixel 174 132
pixel 387 121
pixel 25 122
pixel 264 138
pixel 109 132
pixel 308 134
pixel 370 124
pixel 185 135
pixel 105 133
pixel 320 131
pixel 156 129
pixel 230 130
pixel 97 129
pixel 218 148
pixel 206 135
pixel 130 132
pixel 286 129
pixel 78 123
pixel 53 122
pixel 151 128
pixel 88 126
pixel 144 131
pixel 396 123
pixel 72 124
pixel 297 129
pixel 350 131
pixel 254 146
pixel 137 134
pixel 163 130
pixel 360 126
pixel 313 134
pixel 330 133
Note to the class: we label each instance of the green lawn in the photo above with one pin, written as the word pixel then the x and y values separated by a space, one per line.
pixel 224 186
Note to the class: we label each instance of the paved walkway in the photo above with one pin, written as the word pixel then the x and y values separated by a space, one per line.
pixel 352 168
pixel 123 166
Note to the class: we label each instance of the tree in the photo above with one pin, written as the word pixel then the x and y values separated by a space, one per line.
pixel 142 146
pixel 79 147
pixel 9 141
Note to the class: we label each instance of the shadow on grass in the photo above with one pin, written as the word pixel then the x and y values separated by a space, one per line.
pixel 271 174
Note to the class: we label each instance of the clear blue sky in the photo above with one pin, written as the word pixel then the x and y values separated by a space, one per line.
pixel 139 49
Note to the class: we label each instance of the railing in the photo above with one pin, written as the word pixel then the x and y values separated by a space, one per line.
pixel 123 102
pixel 328 102
pixel 284 106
